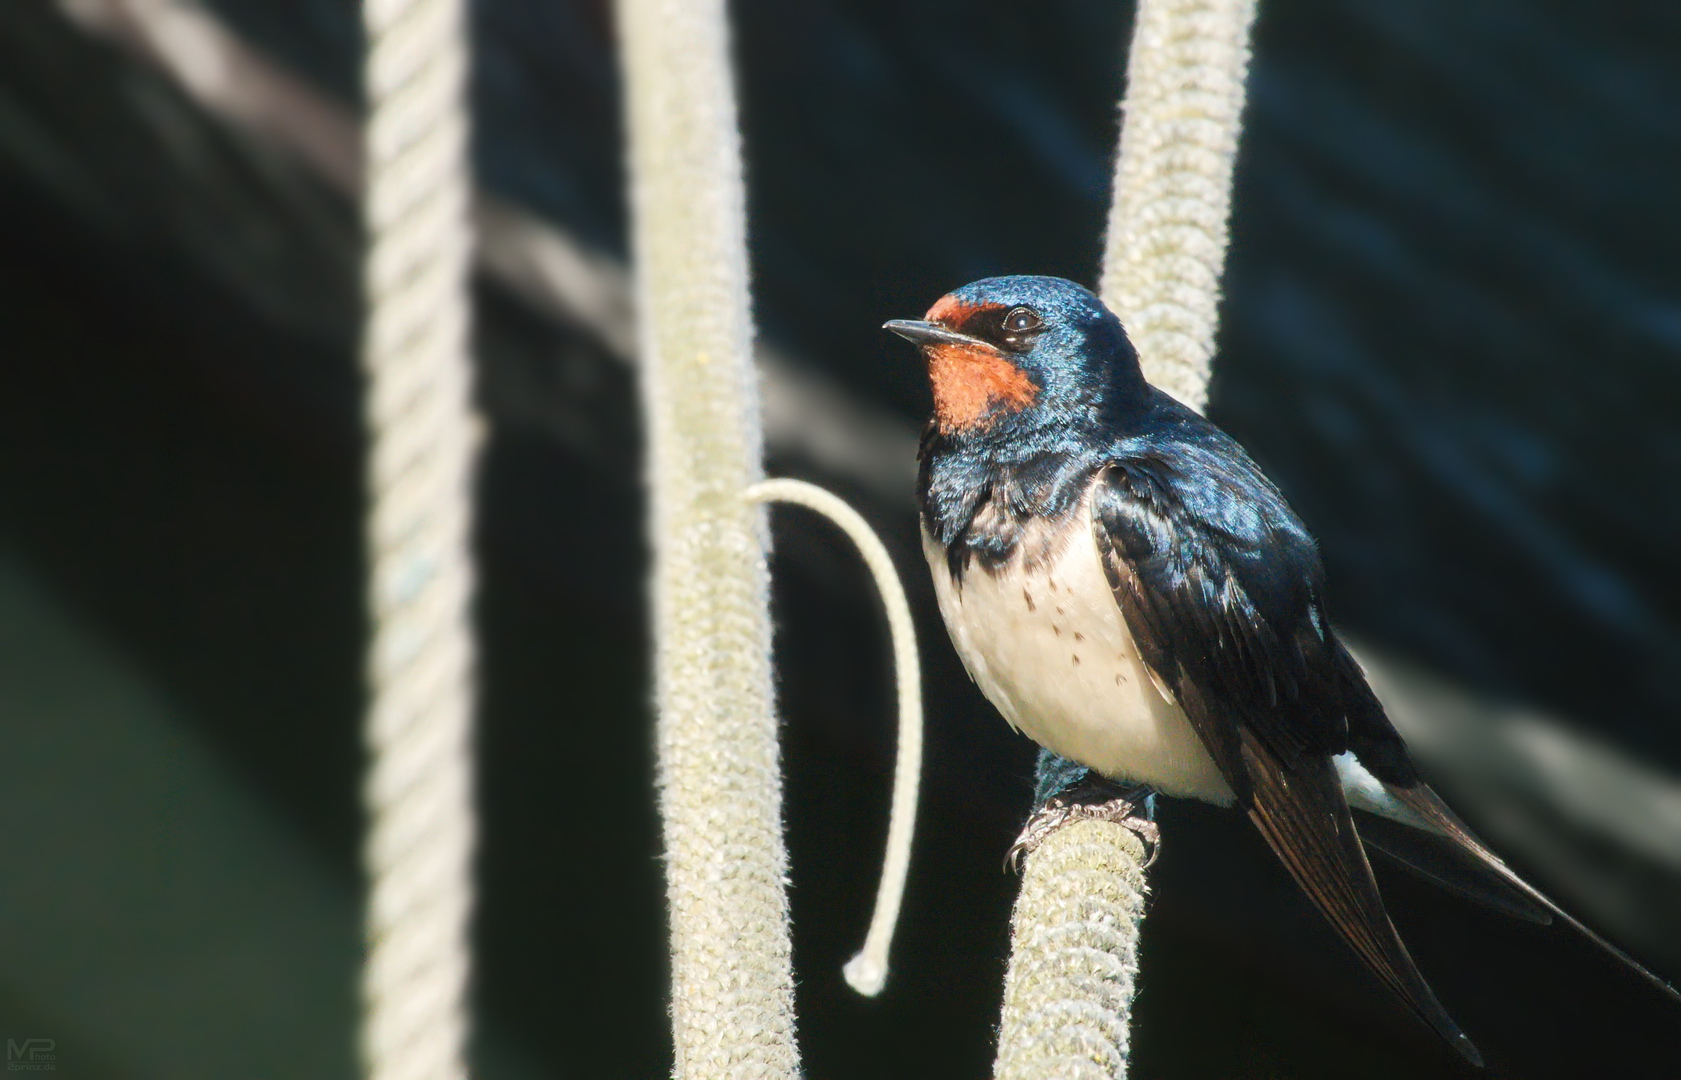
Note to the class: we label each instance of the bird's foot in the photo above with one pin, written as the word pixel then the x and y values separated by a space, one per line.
pixel 1091 799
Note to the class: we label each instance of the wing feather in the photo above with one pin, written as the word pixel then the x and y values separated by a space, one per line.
pixel 1220 586
pixel 1251 663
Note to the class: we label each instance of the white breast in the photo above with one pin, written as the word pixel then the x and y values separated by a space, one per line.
pixel 1049 647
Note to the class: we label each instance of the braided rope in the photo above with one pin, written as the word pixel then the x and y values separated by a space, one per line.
pixel 423 441
pixel 1074 935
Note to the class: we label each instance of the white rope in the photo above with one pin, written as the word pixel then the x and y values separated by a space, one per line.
pixel 423 442
pixel 1074 937
pixel 867 971
pixel 1166 243
pixel 1074 957
pixel 720 784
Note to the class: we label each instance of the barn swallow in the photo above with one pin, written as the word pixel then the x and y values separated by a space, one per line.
pixel 1130 591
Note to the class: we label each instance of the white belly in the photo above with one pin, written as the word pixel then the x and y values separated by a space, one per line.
pixel 1050 648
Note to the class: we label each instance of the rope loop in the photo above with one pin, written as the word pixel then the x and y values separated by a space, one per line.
pixel 867 971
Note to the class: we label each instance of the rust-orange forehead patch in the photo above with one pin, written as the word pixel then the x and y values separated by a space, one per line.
pixel 970 380
pixel 951 312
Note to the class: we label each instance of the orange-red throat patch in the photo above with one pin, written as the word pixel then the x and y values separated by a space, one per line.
pixel 969 380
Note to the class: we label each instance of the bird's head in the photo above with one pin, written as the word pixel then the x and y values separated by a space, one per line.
pixel 1012 349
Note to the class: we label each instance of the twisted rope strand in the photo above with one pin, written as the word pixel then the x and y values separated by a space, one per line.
pixel 423 441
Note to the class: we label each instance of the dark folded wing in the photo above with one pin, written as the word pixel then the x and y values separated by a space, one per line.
pixel 1221 588
pixel 1219 585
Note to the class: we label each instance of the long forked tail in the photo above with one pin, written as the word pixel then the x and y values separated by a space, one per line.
pixel 1420 799
pixel 1300 809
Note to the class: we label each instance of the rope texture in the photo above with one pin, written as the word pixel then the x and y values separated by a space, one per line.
pixel 867 971
pixel 1166 246
pixel 1074 936
pixel 1074 961
pixel 423 443
pixel 719 775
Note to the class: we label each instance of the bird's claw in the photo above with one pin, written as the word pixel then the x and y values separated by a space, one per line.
pixel 1131 812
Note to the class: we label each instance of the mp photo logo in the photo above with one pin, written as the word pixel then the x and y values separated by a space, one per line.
pixel 31 1055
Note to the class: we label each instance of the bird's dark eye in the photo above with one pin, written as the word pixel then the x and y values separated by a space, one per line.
pixel 1021 320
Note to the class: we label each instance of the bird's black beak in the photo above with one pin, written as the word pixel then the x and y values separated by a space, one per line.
pixel 918 332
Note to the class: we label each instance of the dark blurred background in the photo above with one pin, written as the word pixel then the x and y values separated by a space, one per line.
pixel 1452 331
